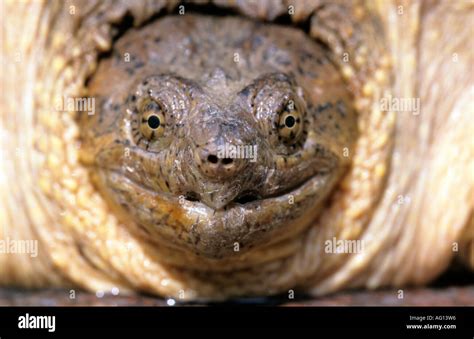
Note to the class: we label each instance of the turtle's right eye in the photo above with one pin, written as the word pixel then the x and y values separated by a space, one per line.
pixel 152 124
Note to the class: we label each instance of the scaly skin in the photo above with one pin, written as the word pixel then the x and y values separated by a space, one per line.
pixel 58 191
pixel 205 100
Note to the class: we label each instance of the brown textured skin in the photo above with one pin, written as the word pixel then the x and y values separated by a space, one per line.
pixel 189 66
pixel 84 240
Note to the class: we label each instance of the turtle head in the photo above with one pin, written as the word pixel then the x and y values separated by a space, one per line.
pixel 222 156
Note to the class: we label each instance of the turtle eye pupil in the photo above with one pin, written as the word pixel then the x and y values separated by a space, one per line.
pixel 290 121
pixel 154 122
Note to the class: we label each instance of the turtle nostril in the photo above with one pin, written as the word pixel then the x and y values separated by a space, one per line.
pixel 212 159
pixel 227 161
pixel 215 166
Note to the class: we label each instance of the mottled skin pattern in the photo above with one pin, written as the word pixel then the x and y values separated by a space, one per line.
pixel 219 81
pixel 134 198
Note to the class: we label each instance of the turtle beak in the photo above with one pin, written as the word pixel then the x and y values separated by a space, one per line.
pixel 225 196
pixel 218 199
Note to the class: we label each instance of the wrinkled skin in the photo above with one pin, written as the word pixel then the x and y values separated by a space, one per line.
pixel 215 87
pixel 91 189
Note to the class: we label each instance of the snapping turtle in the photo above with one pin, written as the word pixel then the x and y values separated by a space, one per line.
pixel 226 156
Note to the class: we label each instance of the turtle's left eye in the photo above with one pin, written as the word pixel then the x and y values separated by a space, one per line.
pixel 290 124
pixel 152 124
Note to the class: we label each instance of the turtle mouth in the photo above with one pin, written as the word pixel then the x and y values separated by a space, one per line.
pixel 249 219
pixel 248 200
pixel 247 197
pixel 241 199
